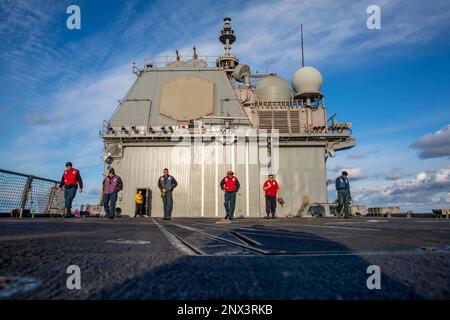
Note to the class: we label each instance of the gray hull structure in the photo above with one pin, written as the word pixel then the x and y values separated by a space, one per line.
pixel 199 121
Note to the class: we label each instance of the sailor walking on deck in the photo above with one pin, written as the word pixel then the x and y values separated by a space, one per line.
pixel 230 185
pixel 112 184
pixel 166 184
pixel 271 191
pixel 70 180
pixel 343 194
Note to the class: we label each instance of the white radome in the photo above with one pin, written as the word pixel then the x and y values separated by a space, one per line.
pixel 307 80
pixel 273 88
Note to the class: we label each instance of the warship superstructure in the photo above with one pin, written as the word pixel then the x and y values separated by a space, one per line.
pixel 199 118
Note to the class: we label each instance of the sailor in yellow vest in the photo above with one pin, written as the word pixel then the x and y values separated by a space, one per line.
pixel 139 199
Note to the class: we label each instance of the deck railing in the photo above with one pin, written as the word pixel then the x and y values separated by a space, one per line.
pixel 27 195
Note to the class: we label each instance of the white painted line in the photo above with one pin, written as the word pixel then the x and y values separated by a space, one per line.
pixel 247 182
pixel 124 241
pixel 336 227
pixel 202 211
pixel 239 235
pixel 298 237
pixel 245 246
pixel 178 244
pixel 362 253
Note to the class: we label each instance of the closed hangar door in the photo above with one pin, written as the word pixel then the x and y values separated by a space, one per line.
pixel 301 174
pixel 198 171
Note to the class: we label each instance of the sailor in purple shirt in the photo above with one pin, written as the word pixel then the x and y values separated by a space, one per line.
pixel 112 184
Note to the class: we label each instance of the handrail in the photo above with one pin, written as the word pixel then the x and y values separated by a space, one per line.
pixel 20 192
pixel 162 61
pixel 27 175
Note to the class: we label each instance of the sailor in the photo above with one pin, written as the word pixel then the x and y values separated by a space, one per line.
pixel 166 184
pixel 343 194
pixel 70 180
pixel 112 184
pixel 271 188
pixel 230 185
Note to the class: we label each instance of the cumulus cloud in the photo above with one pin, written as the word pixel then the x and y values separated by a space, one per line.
pixel 431 181
pixel 394 174
pixel 429 188
pixel 354 173
pixel 434 145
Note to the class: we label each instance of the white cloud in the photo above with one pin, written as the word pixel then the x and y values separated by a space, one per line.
pixel 335 31
pixel 354 173
pixel 434 145
pixel 427 189
pixel 394 174
pixel 75 117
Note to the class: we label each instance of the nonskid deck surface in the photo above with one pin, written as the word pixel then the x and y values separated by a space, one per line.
pixel 307 237
pixel 188 258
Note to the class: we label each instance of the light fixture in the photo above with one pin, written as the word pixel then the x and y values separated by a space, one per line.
pixel 108 159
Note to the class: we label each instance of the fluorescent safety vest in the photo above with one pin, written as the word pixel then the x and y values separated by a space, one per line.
pixel 273 188
pixel 70 177
pixel 230 184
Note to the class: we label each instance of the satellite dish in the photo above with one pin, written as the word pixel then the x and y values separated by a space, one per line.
pixel 242 73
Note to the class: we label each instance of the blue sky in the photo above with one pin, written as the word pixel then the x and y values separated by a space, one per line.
pixel 58 85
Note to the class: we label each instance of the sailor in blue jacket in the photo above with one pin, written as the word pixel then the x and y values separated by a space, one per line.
pixel 166 183
pixel 343 193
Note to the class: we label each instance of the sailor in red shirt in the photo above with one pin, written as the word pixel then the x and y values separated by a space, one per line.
pixel 70 180
pixel 271 189
pixel 230 186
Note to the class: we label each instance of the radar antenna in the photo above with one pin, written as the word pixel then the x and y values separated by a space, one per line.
pixel 303 57
pixel 228 62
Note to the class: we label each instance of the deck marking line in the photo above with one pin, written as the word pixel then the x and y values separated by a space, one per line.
pixel 179 242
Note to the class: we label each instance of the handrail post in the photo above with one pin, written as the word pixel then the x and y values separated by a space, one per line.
pixel 50 200
pixel 25 193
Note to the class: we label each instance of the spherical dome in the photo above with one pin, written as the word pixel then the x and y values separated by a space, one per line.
pixel 273 88
pixel 307 80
